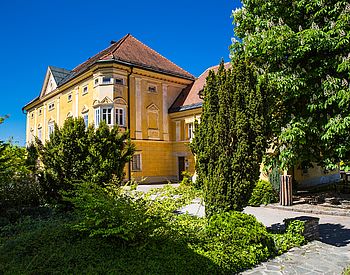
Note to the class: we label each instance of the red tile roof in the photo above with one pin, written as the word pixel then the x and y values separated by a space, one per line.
pixel 189 97
pixel 131 51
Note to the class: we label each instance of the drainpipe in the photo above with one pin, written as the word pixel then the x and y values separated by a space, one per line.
pixel 132 68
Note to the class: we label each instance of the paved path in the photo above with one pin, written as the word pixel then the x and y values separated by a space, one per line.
pixel 330 255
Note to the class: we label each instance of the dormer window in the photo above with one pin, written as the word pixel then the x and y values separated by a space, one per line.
pixel 51 106
pixel 152 88
pixel 119 81
pixel 106 80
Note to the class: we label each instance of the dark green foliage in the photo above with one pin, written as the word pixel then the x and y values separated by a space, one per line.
pixel 122 239
pixel 18 186
pixel 230 140
pixel 303 48
pixel 52 247
pixel 275 178
pixel 263 193
pixel 110 212
pixel 75 154
pixel 236 241
pixel 291 238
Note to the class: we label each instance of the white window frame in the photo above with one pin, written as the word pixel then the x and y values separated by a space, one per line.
pixel 86 119
pixel 85 90
pixel 119 80
pixel 190 130
pixel 50 129
pixel 108 113
pixel 51 106
pixel 120 121
pixel 40 133
pixel 97 117
pixel 137 161
pixel 152 88
pixel 110 80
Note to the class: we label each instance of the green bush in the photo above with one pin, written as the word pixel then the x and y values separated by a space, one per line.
pixel 235 241
pixel 74 154
pixel 111 211
pixel 291 238
pixel 263 193
pixel 18 185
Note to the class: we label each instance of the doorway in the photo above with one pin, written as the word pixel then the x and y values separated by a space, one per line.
pixel 181 165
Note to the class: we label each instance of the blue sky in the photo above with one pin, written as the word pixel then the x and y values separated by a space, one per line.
pixel 35 34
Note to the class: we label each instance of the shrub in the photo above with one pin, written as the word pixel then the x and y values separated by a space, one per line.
pixel 75 154
pixel 291 238
pixel 235 241
pixel 110 212
pixel 187 179
pixel 263 193
pixel 18 186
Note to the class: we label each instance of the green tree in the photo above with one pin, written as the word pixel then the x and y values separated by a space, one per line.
pixel 230 140
pixel 74 154
pixel 303 48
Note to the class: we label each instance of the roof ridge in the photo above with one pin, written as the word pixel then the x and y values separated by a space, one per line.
pixel 212 67
pixel 101 52
pixel 117 44
pixel 161 55
pixel 121 41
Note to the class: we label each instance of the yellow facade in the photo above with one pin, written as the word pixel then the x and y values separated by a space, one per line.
pixel 151 128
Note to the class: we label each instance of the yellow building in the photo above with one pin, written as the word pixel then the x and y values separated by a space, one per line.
pixel 131 85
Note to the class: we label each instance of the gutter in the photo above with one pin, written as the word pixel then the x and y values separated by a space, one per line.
pixel 132 68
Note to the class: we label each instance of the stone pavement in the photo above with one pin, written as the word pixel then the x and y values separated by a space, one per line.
pixel 330 255
pixel 313 258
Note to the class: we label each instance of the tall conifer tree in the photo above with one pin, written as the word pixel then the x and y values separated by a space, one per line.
pixel 230 140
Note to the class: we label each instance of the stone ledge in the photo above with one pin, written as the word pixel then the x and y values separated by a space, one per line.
pixel 315 210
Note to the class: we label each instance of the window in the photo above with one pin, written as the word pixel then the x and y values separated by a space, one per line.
pixel 51 106
pixel 69 98
pixel 96 81
pixel 32 115
pixel 106 80
pixel 152 88
pixel 31 136
pixel 97 117
pixel 86 120
pixel 51 129
pixel 120 116
pixel 119 81
pixel 190 128
pixel 136 162
pixel 107 115
pixel 40 111
pixel 85 90
pixel 39 133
